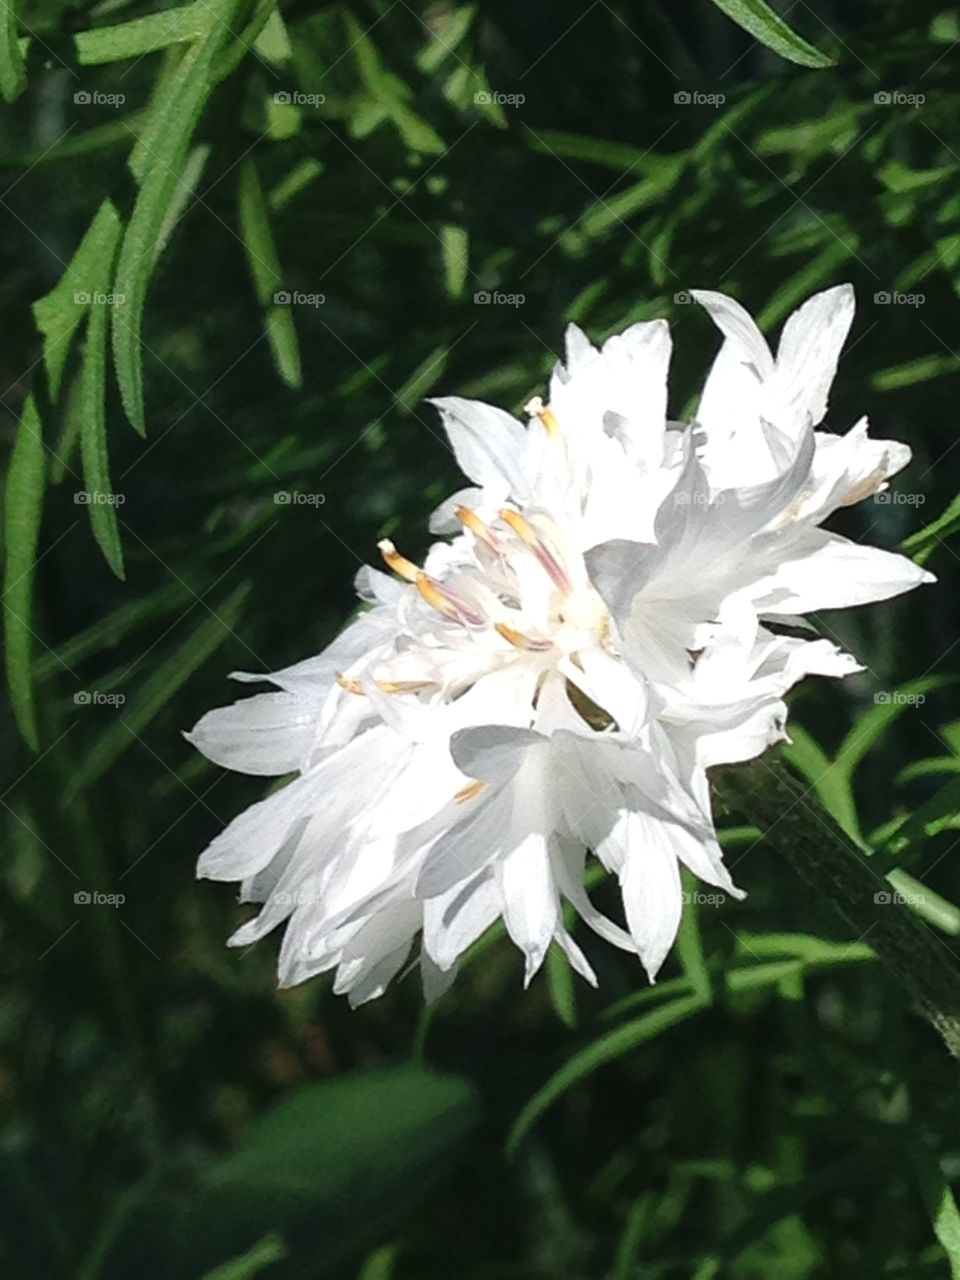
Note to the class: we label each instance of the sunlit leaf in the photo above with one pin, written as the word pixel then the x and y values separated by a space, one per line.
pixel 765 25
pixel 23 507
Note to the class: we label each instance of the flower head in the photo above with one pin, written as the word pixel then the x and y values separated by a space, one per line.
pixel 596 629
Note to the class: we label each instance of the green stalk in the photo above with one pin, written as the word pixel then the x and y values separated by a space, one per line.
pixel 797 826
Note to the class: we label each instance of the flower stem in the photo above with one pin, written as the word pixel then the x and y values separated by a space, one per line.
pixel 796 824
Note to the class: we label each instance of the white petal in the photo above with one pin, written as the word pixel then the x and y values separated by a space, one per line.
pixel 808 353
pixel 489 444
pixel 824 571
pixel 530 904
pixel 267 735
pixel 652 895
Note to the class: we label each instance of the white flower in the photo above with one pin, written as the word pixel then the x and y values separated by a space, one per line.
pixel 558 677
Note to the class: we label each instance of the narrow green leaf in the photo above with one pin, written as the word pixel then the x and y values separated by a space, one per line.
pixel 183 196
pixel 60 313
pixel 871 726
pixel 252 1263
pixel 24 505
pixel 940 1204
pixel 455 246
pixel 157 690
pixel 298 179
pixel 13 71
pixel 922 544
pixel 600 151
pixel 258 240
pixel 690 943
pixel 381 1264
pixel 185 93
pixel 560 983
pixel 759 20
pixel 391 95
pixel 826 777
pixel 922 369
pixel 423 379
pixel 139 36
pixel 108 631
pixel 90 403
pixel 614 1044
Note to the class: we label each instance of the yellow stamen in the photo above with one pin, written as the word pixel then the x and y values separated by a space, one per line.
pixel 521 527
pixel 529 536
pixel 469 791
pixel 403 686
pixel 518 639
pixel 351 686
pixel 470 520
pixel 537 409
pixel 398 563
pixel 435 597
pixel 387 686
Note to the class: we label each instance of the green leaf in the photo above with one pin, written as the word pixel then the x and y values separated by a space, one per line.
pixel 157 690
pixel 690 943
pixel 140 36
pixel 252 1263
pixel 922 369
pixel 26 479
pixel 611 155
pixel 827 777
pixel 759 20
pixel 391 95
pixel 924 542
pixel 174 115
pixel 940 1204
pixel 258 240
pixel 423 378
pixel 455 247
pixel 13 71
pixel 184 195
pixel 871 726
pixel 298 179
pixel 60 313
pixel 108 631
pixel 560 983
pixel 90 403
pixel 335 1162
pixel 614 1044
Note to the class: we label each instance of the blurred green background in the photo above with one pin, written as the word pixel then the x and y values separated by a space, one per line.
pixel 300 204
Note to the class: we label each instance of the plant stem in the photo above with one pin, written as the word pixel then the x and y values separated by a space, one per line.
pixel 795 823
